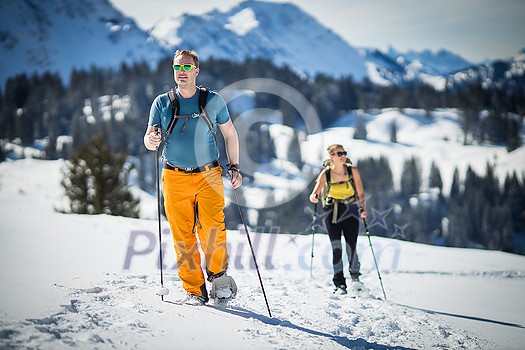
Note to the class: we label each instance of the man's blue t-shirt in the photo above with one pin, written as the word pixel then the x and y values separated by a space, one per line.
pixel 195 146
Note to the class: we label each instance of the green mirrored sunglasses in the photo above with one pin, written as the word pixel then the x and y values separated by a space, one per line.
pixel 186 67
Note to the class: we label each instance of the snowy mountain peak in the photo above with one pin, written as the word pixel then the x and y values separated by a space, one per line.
pixel 286 35
pixel 440 62
pixel 58 36
pixel 282 33
pixel 165 31
pixel 242 22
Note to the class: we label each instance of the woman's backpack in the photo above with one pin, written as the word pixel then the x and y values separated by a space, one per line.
pixel 325 200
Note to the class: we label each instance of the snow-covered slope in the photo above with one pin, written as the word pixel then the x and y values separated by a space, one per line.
pixel 435 136
pixel 286 35
pixel 282 33
pixel 89 282
pixel 57 36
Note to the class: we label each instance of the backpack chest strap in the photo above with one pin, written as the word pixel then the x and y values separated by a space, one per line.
pixel 175 108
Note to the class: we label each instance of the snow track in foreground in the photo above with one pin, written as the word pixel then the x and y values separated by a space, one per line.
pixel 123 312
pixel 89 282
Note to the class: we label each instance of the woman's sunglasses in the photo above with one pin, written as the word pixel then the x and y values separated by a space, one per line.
pixel 340 154
pixel 185 67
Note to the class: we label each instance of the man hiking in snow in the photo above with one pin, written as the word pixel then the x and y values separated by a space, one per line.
pixel 188 118
pixel 343 198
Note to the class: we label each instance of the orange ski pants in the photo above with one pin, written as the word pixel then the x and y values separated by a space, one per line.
pixel 194 204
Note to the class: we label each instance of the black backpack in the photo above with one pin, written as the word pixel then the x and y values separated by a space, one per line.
pixel 325 200
pixel 175 107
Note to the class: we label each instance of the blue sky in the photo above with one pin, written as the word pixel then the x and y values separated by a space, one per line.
pixel 474 29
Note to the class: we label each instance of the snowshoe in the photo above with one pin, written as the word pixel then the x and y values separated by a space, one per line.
pixel 358 289
pixel 223 289
pixel 355 277
pixel 192 299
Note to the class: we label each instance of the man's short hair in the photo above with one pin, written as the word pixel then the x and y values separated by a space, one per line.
pixel 190 53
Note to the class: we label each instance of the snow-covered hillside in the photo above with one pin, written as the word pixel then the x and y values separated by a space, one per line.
pixel 58 36
pixel 286 35
pixel 36 37
pixel 89 282
pixel 436 136
pixel 430 137
pixel 282 33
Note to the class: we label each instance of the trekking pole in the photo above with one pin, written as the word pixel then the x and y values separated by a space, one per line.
pixel 251 247
pixel 163 290
pixel 313 236
pixel 375 261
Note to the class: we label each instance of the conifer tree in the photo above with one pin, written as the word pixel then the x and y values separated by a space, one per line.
pixel 96 181
pixel 410 178
pixel 455 187
pixel 513 136
pixel 435 180
pixel 513 196
pixel 360 129
pixel 393 132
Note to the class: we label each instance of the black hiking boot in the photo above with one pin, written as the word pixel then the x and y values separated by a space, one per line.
pixel 340 289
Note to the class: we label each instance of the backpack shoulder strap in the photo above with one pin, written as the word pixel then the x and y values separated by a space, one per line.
pixel 175 106
pixel 326 167
pixel 203 99
pixel 173 98
pixel 326 188
pixel 328 177
pixel 348 169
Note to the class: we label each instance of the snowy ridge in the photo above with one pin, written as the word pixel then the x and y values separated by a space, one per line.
pixel 395 67
pixel 282 33
pixel 90 282
pixel 441 62
pixel 286 35
pixel 59 36
pixel 497 73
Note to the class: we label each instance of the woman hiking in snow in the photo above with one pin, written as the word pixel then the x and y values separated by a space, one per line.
pixel 343 200
pixel 192 178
